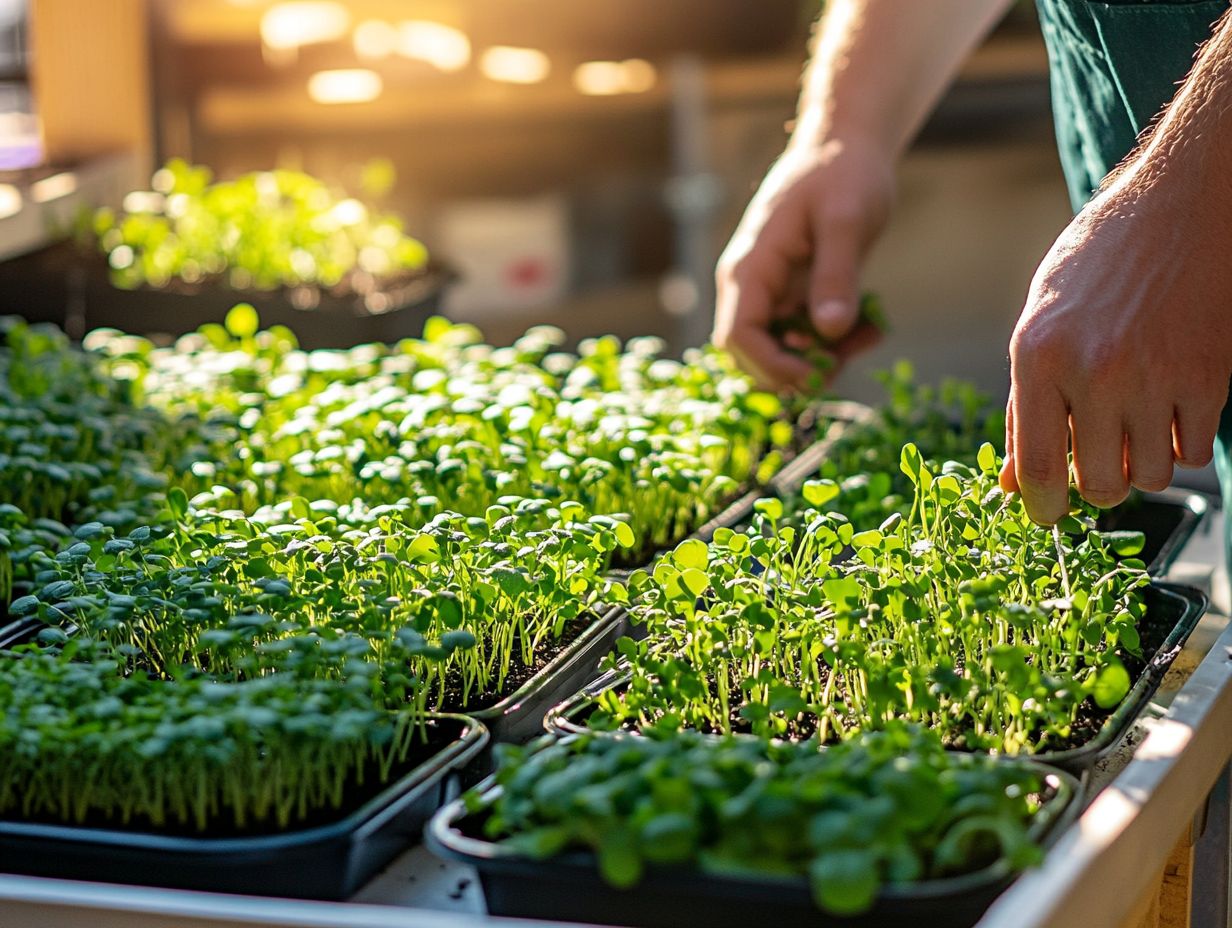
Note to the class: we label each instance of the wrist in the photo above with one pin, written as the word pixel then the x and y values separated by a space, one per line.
pixel 813 135
pixel 1178 190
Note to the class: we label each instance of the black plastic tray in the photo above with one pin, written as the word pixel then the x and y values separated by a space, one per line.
pixel 1187 605
pixel 328 862
pixel 1177 606
pixel 20 631
pixel 519 716
pixel 569 888
pixel 71 287
pixel 1167 519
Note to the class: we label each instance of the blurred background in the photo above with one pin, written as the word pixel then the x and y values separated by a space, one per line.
pixel 580 164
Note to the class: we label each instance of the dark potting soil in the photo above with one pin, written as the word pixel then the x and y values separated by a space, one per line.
pixel 519 672
pixel 438 735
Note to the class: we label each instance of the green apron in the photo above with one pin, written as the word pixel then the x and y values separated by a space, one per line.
pixel 1114 66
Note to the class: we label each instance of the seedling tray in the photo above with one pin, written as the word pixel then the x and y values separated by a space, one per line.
pixel 1172 608
pixel 71 287
pixel 329 862
pixel 519 717
pixel 1167 519
pixel 568 887
pixel 1167 605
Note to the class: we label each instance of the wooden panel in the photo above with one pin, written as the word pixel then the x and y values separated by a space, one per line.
pixel 90 75
pixel 1096 874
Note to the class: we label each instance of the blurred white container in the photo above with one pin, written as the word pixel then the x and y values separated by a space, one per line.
pixel 512 256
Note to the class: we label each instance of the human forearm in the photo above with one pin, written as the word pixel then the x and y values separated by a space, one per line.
pixel 1187 155
pixel 879 66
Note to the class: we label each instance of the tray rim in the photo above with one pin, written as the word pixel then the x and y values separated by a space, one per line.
pixel 471 740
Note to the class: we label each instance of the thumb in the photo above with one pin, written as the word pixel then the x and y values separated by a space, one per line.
pixel 834 307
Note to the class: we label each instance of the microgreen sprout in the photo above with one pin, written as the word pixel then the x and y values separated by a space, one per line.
pixel 889 807
pixel 955 616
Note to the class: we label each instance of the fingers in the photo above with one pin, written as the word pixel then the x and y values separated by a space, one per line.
pixel 1149 452
pixel 863 337
pixel 834 304
pixel 765 359
pixel 1099 456
pixel 743 311
pixel 1007 477
pixel 1193 434
pixel 1040 439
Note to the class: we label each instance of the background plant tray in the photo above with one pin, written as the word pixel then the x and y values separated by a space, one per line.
pixel 330 861
pixel 1173 609
pixel 519 716
pixel 839 416
pixel 1167 519
pixel 569 887
pixel 71 287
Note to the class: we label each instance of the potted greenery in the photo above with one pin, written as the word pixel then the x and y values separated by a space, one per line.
pixel 332 269
pixel 963 616
pixel 280 784
pixel 887 828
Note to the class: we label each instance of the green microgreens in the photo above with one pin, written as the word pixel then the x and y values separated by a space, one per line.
pixel 890 807
pixel 82 741
pixel 948 422
pixel 261 231
pixel 454 604
pixel 660 442
pixel 955 616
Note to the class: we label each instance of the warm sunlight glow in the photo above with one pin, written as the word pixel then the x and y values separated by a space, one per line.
pixel 304 22
pixel 144 201
pixel 443 47
pixel 10 201
pixel 375 39
pixel 351 85
pixel 54 187
pixel 607 78
pixel 515 65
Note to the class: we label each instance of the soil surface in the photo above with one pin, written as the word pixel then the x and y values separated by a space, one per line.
pixel 519 672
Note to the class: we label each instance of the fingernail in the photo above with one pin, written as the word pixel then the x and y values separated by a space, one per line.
pixel 1045 507
pixel 1008 478
pixel 830 318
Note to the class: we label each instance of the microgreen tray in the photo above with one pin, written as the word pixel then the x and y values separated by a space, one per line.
pixel 839 416
pixel 569 888
pixel 519 716
pixel 1172 610
pixel 329 861
pixel 1167 520
pixel 73 290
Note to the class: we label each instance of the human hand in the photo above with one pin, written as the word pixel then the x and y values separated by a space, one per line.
pixel 797 254
pixel 1124 348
